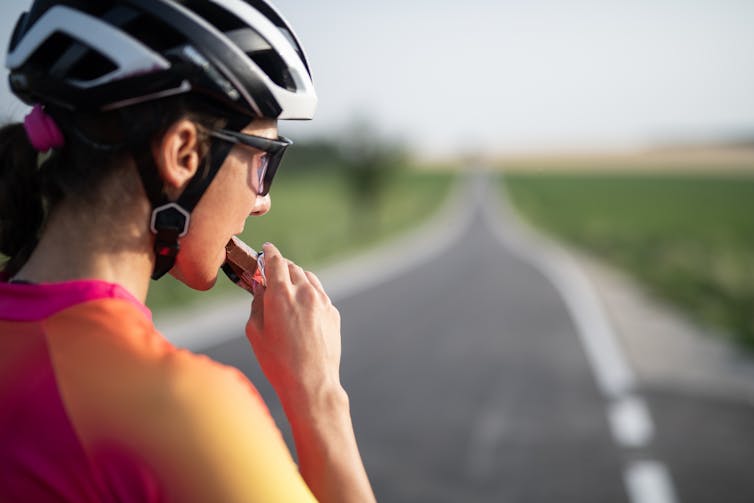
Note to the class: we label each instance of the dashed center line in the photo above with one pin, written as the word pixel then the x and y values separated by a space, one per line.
pixel 630 422
pixel 649 482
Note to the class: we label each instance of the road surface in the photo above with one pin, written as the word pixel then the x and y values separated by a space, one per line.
pixel 472 380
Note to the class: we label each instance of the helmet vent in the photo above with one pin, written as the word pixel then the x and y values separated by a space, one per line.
pixel 266 58
pixel 90 66
pixel 70 59
pixel 154 33
pixel 275 68
pixel 51 50
pixel 220 18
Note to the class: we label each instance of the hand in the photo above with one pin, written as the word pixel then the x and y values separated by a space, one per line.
pixel 295 332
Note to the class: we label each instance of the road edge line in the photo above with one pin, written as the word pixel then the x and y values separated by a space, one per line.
pixel 647 481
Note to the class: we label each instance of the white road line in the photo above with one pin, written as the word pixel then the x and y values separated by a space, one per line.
pixel 630 422
pixel 629 417
pixel 649 482
pixel 613 375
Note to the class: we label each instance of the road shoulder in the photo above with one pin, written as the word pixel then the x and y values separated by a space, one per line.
pixel 665 348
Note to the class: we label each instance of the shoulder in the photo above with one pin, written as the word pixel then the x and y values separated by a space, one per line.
pixel 112 342
pixel 199 384
pixel 209 424
pixel 201 425
pixel 113 365
pixel 111 320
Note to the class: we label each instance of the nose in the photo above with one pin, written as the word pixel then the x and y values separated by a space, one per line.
pixel 262 205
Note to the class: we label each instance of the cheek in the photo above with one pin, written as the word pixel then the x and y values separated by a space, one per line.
pixel 242 187
pixel 247 194
pixel 197 267
pixel 235 197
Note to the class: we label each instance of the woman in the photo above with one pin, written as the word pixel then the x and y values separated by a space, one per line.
pixel 153 136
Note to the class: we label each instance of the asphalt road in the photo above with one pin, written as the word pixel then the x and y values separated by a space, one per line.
pixel 470 383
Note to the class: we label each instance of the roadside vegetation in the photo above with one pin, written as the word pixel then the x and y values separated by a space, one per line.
pixel 688 237
pixel 328 203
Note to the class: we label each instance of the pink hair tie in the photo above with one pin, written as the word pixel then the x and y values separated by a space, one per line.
pixel 42 131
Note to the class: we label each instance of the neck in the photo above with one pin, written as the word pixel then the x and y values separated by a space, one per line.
pixel 116 248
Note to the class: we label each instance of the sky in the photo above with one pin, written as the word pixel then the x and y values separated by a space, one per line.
pixel 521 75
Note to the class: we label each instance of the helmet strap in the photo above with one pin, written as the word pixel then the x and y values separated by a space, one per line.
pixel 170 220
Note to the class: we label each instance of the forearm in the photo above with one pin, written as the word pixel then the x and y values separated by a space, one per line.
pixel 328 455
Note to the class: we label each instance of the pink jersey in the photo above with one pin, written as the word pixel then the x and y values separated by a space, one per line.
pixel 97 406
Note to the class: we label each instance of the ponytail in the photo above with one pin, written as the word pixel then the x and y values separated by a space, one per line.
pixel 22 207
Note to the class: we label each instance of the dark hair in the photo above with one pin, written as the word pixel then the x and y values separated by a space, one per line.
pixel 33 184
pixel 21 213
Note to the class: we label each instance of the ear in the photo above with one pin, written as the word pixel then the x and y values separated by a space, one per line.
pixel 177 156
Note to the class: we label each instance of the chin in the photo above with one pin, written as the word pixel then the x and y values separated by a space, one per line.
pixel 196 281
pixel 203 286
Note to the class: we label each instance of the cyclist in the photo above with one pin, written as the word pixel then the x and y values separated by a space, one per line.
pixel 153 135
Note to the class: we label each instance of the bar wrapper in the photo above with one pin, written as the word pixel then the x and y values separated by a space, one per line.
pixel 243 265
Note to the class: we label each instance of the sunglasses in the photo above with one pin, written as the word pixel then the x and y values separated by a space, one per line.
pixel 273 153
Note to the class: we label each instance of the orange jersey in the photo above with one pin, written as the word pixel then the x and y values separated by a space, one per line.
pixel 97 406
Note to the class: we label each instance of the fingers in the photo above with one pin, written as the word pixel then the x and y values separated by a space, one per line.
pixel 280 271
pixel 275 266
pixel 297 273
pixel 314 280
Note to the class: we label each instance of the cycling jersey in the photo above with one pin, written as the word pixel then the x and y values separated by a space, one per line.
pixel 96 405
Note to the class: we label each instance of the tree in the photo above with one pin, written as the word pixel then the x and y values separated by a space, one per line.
pixel 369 164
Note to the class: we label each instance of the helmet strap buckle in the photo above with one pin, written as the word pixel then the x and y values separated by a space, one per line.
pixel 169 223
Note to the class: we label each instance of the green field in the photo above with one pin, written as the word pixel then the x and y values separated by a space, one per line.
pixel 688 238
pixel 314 218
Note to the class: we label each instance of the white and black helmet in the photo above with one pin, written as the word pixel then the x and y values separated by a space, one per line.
pixel 90 57
pixel 102 55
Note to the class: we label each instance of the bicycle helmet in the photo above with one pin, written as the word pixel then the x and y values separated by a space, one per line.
pixel 107 55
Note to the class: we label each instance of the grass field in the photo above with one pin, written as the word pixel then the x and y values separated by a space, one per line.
pixel 688 238
pixel 314 218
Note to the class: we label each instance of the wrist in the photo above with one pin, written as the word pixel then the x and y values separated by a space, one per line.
pixel 320 403
pixel 328 456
